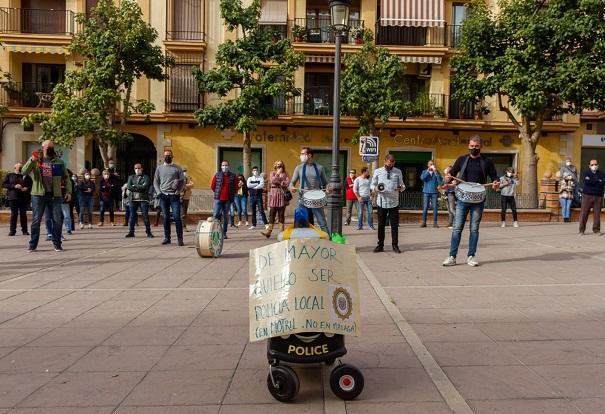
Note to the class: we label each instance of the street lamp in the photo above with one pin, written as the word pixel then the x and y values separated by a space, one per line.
pixel 339 14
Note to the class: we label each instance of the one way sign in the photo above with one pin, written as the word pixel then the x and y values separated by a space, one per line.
pixel 368 146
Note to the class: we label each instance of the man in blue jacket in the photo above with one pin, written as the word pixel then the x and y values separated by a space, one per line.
pixel 431 180
pixel 592 196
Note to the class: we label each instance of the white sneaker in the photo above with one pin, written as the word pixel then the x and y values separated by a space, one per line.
pixel 90 226
pixel 251 227
pixel 503 224
pixel 472 261
pixel 450 261
pixel 247 224
pixel 100 224
pixel 81 226
pixel 112 224
pixel 515 224
pixel 266 227
pixel 239 223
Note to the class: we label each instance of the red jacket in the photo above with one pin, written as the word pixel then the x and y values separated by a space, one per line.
pixel 349 194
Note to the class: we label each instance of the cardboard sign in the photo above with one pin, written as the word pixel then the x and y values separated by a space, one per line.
pixel 303 285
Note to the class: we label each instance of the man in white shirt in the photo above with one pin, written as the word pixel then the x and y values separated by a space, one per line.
pixel 256 186
pixel 361 188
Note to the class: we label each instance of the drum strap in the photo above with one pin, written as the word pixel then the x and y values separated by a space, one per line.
pixel 304 174
pixel 465 164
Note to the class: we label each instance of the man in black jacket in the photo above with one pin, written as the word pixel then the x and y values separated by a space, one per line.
pixel 592 196
pixel 18 189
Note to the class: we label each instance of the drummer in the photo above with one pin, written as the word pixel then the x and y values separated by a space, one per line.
pixel 312 177
pixel 473 167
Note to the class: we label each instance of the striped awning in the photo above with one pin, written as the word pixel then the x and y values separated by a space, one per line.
pixel 319 59
pixel 274 12
pixel 60 50
pixel 424 13
pixel 421 59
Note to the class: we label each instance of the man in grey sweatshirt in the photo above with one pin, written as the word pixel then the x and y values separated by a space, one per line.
pixel 168 183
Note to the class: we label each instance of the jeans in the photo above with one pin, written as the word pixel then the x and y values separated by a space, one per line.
pixel 451 207
pixel 39 204
pixel 221 211
pixel 18 208
pixel 133 206
pixel 254 203
pixel 66 210
pixel 392 214
pixel 86 204
pixel 506 201
pixel 595 202
pixel 241 205
pixel 364 204
pixel 320 216
pixel 566 207
pixel 106 205
pixel 168 202
pixel 462 210
pixel 350 204
pixel 426 199
pixel 48 221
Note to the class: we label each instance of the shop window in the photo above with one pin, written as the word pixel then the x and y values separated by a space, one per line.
pixel 235 157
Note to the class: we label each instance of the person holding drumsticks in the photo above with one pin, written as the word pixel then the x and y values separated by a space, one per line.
pixel 311 177
pixel 472 169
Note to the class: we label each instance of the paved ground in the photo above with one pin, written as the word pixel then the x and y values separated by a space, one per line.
pixel 114 325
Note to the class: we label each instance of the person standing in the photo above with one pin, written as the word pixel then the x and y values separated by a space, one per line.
pixel 279 180
pixel 224 187
pixel 106 197
pixel 86 190
pixel 168 183
pixel 387 181
pixel 47 171
pixel 138 185
pixel 569 168
pixel 475 168
pixel 311 177
pixel 18 189
pixel 449 191
pixel 566 192
pixel 431 180
pixel 256 187
pixel 241 201
pixel 508 186
pixel 185 197
pixel 361 189
pixel 66 207
pixel 350 197
pixel 592 197
pixel 116 181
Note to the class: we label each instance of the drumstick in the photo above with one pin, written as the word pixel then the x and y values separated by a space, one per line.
pixel 466 182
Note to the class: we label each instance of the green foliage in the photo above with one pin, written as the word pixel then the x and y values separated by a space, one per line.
pixel 372 87
pixel 299 31
pixel 256 66
pixel 119 47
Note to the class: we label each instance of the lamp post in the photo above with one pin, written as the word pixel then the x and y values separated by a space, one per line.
pixel 339 14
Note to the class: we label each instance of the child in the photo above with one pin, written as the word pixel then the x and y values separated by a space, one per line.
pixel 508 185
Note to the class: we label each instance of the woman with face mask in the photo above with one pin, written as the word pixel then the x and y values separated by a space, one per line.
pixel 508 185
pixel 279 180
pixel 106 192
pixel 241 200
pixel 85 190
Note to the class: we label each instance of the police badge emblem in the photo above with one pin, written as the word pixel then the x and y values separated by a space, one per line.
pixel 342 303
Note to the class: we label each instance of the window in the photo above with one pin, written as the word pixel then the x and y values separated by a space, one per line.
pixel 43 16
pixel 182 93
pixel 235 156
pixel 39 80
pixel 184 20
pixel 90 4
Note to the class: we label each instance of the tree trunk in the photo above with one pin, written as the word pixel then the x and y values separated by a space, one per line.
pixel 247 154
pixel 126 106
pixel 529 167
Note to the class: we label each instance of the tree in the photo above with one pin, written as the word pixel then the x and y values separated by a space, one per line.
pixel 118 48
pixel 372 87
pixel 257 66
pixel 544 57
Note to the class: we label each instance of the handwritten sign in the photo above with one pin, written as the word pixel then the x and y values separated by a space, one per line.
pixel 303 285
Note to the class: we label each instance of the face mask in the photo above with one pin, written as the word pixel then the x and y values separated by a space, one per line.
pixel 184 173
pixel 168 159
pixel 112 166
pixel 138 171
pixel 73 177
pixel 87 176
pixel 509 174
pixel 254 173
pixel 224 168
pixel 388 167
pixel 594 168
pixel 475 151
pixel 568 163
pixel 304 158
pixel 106 176
pixel 50 152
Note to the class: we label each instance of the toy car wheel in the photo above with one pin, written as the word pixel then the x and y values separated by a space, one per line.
pixel 346 381
pixel 284 385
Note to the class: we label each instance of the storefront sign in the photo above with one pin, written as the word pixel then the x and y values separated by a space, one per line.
pixel 303 286
pixel 593 140
pixel 434 141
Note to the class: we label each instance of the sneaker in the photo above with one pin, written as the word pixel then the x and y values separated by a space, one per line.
pixel 112 224
pixel 266 227
pixel 435 225
pixel 252 227
pixel 100 224
pixel 90 226
pixel 81 226
pixel 181 242
pixel 150 236
pixel 58 248
pixel 515 224
pixel 247 224
pixel 12 233
pixel 359 228
pixel 378 249
pixel 165 241
pixel 472 261
pixel 503 224
pixel 450 226
pixel 239 223
pixel 26 233
pixel 450 261
pixel 423 225
pixel 49 237
pixel 129 235
pixel 372 227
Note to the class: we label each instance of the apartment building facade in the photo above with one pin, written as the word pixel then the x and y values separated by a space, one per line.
pixel 422 33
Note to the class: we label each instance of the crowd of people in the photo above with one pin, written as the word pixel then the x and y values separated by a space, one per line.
pixel 54 192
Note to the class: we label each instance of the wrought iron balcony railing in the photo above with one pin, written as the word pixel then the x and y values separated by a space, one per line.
pixel 37 21
pixel 316 30
pixel 27 94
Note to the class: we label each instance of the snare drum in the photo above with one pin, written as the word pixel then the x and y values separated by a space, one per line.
pixel 209 238
pixel 313 199
pixel 472 193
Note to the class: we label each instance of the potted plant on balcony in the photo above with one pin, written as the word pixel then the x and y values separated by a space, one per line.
pixel 481 109
pixel 299 33
pixel 358 33
pixel 12 89
pixel 439 112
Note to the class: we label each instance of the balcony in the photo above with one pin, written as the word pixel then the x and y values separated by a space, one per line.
pixel 410 35
pixel 37 21
pixel 184 26
pixel 316 30
pixel 27 94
